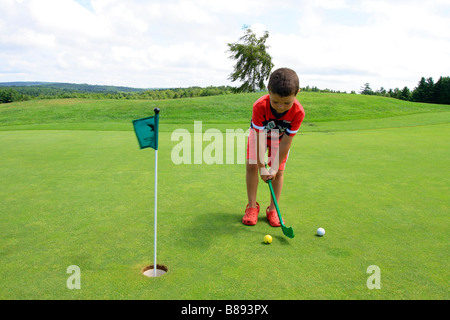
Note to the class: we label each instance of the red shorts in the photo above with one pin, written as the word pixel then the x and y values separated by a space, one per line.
pixel 271 144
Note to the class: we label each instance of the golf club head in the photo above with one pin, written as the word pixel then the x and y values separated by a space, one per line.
pixel 288 232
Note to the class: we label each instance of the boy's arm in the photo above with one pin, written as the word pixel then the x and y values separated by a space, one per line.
pixel 283 150
pixel 261 152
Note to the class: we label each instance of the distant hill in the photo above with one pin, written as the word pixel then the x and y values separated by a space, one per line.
pixel 23 91
pixel 72 87
pixel 21 83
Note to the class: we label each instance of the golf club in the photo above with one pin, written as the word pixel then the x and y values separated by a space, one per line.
pixel 288 232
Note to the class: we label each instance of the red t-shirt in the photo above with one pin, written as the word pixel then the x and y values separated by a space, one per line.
pixel 265 117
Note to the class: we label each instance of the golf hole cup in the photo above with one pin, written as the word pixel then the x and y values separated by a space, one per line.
pixel 150 271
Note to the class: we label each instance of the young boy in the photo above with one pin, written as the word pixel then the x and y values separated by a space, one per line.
pixel 275 121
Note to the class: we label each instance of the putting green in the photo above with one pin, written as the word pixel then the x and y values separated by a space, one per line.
pixel 85 198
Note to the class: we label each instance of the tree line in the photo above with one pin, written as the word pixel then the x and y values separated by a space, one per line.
pixel 426 91
pixel 24 93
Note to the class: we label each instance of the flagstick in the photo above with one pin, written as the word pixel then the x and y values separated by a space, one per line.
pixel 147 131
pixel 156 206
pixel 155 268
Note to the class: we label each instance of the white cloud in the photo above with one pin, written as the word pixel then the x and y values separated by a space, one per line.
pixel 339 44
pixel 189 12
pixel 66 18
pixel 329 4
pixel 23 37
pixel 397 44
pixel 258 29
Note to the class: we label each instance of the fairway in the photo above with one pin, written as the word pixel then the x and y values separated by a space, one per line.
pixel 74 195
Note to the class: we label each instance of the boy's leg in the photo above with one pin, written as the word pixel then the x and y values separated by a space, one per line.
pixel 252 173
pixel 252 210
pixel 252 179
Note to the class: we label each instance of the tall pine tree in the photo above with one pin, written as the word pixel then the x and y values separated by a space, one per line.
pixel 442 91
pixel 253 63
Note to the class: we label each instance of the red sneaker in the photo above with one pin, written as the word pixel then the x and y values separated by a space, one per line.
pixel 251 215
pixel 272 216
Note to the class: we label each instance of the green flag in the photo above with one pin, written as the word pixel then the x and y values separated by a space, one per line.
pixel 147 131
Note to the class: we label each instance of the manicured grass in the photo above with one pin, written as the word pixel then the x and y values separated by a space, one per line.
pixel 228 109
pixel 81 196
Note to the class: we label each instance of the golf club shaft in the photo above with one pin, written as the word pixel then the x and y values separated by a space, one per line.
pixel 275 200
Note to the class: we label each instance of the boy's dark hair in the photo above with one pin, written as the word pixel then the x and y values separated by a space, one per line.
pixel 284 82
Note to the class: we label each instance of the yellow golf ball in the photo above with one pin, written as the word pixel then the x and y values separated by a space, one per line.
pixel 268 239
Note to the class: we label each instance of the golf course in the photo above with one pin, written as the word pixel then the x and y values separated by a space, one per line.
pixel 76 190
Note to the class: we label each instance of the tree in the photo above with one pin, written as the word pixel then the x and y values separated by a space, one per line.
pixel 381 92
pixel 10 95
pixel 425 91
pixel 429 92
pixel 405 94
pixel 418 94
pixel 366 89
pixel 396 94
pixel 253 63
pixel 442 91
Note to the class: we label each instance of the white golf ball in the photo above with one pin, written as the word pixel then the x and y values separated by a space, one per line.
pixel 320 232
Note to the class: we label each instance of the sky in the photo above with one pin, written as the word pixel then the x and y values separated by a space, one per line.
pixel 334 44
